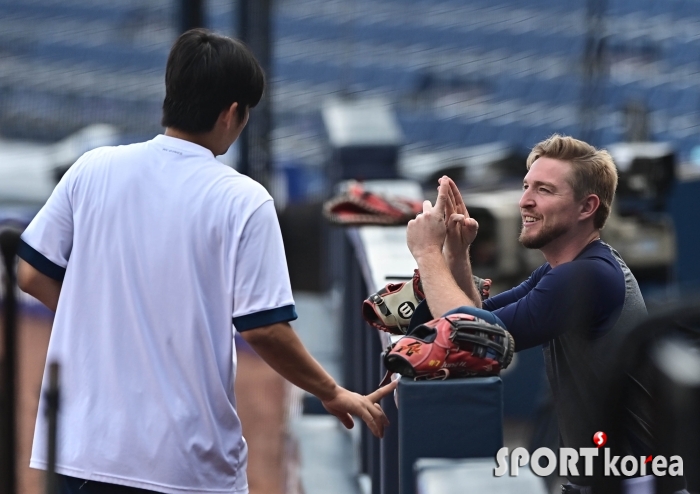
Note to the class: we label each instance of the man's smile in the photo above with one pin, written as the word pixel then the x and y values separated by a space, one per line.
pixel 529 220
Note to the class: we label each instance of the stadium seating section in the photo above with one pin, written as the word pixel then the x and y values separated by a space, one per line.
pixel 456 72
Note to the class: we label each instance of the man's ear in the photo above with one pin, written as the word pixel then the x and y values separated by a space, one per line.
pixel 589 206
pixel 229 116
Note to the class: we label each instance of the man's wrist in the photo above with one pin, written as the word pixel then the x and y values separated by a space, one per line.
pixel 329 392
pixel 456 258
pixel 428 253
pixel 459 257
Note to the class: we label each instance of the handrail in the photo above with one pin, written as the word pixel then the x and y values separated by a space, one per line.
pixel 9 240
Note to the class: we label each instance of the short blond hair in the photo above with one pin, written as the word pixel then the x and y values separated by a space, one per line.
pixel 593 170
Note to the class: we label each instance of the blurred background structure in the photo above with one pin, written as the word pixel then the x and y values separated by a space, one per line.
pixel 456 73
pixel 384 89
pixel 470 84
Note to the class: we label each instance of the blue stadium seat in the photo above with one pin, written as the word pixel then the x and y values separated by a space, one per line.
pixel 113 13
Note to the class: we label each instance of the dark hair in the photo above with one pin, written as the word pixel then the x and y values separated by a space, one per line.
pixel 206 73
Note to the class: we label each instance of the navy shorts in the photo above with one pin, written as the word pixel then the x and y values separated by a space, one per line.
pixel 72 485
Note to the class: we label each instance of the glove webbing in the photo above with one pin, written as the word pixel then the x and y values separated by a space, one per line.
pixel 461 337
pixel 460 334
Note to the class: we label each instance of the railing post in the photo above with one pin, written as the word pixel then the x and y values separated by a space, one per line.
pixel 9 239
pixel 52 406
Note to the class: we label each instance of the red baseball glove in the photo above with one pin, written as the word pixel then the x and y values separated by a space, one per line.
pixel 457 345
pixel 356 206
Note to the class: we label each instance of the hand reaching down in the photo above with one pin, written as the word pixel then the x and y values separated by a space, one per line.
pixel 345 404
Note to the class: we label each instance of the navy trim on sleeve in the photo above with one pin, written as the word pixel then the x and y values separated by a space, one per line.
pixel 39 262
pixel 265 318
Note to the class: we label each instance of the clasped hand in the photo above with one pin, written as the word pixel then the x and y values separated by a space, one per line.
pixel 444 228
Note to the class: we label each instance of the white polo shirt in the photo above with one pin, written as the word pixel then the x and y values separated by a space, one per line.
pixel 160 247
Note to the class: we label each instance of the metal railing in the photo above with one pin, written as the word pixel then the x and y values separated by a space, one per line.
pixel 9 240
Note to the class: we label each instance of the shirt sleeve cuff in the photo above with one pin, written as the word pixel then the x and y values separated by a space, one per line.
pixel 265 318
pixel 39 261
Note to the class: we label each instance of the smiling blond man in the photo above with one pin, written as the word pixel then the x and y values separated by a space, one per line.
pixel 578 305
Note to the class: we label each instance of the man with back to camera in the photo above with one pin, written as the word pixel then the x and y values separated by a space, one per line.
pixel 578 305
pixel 146 253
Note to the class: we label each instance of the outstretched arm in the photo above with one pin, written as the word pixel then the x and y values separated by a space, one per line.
pixel 281 348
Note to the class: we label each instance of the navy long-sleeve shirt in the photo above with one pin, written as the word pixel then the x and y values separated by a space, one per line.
pixel 586 294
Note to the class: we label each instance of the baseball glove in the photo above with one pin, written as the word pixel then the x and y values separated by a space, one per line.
pixel 457 345
pixel 483 286
pixel 391 308
pixel 356 206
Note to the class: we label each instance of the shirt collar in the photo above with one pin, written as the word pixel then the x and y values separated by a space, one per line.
pixel 182 145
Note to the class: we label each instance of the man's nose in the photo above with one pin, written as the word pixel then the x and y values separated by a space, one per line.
pixel 526 200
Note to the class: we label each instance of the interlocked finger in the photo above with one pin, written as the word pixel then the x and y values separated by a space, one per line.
pixel 460 207
pixel 445 191
pixel 456 219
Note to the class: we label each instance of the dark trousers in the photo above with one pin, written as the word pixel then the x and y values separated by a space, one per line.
pixel 72 485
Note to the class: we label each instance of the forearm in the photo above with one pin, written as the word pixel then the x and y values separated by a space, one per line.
pixel 440 288
pixel 281 348
pixel 46 290
pixel 461 270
